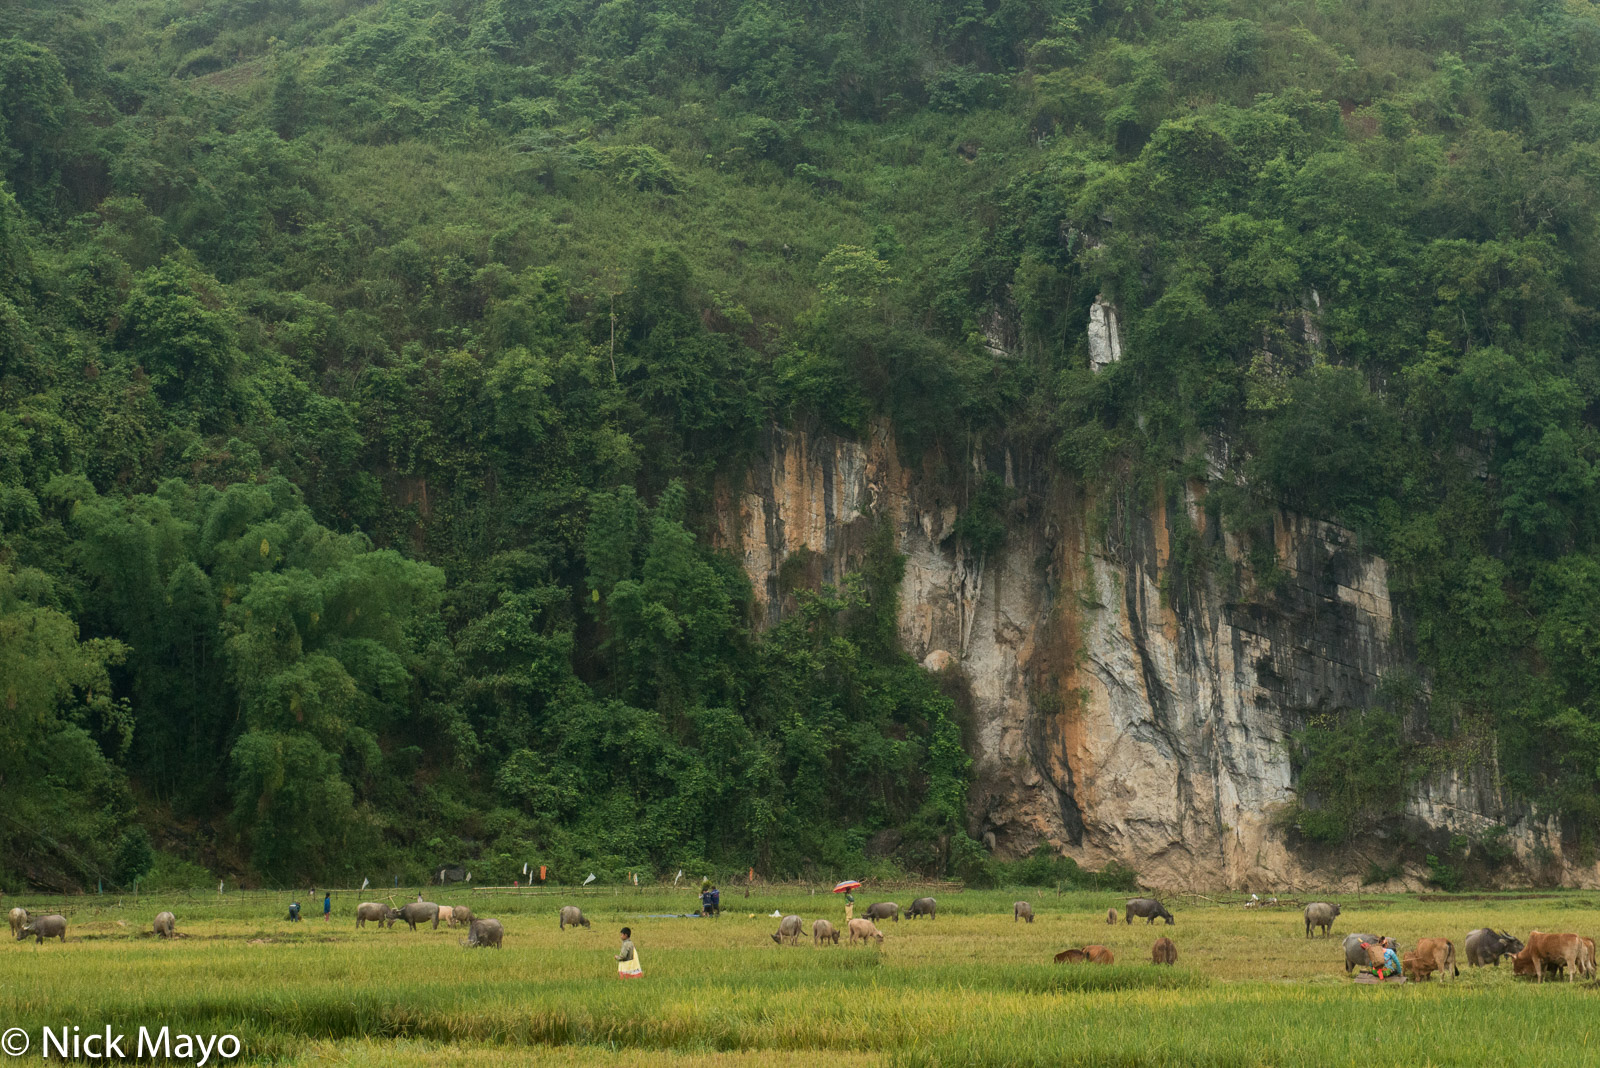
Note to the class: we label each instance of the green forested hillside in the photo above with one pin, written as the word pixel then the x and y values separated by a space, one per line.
pixel 364 367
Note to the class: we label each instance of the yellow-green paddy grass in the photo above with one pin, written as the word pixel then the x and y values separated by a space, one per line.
pixel 971 987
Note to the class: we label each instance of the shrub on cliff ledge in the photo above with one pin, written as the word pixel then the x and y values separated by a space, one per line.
pixel 1351 774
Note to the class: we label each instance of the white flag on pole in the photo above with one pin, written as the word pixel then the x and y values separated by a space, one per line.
pixel 589 880
pixel 469 876
pixel 364 883
pixel 524 869
pixel 676 877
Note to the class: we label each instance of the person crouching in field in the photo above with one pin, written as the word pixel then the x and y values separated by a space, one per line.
pixel 628 966
pixel 1391 961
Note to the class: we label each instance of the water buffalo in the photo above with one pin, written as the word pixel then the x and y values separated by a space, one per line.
pixel 788 927
pixel 19 920
pixel 1321 914
pixel 166 925
pixel 42 927
pixel 572 916
pixel 1071 956
pixel 1440 953
pixel 1111 916
pixel 1163 952
pixel 485 932
pixel 1099 955
pixel 883 910
pixel 377 911
pixel 1484 946
pixel 447 915
pixel 864 930
pixel 1355 955
pixel 1021 910
pixel 415 912
pixel 461 916
pixel 923 906
pixel 1149 908
pixel 823 932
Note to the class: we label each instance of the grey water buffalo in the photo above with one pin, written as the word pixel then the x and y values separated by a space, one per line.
pixel 1148 908
pixel 19 920
pixel 484 932
pixel 883 910
pixel 383 914
pixel 788 928
pixel 923 906
pixel 864 930
pixel 1111 916
pixel 1163 952
pixel 1021 910
pixel 823 932
pixel 166 925
pixel 572 916
pixel 1355 955
pixel 1485 946
pixel 415 912
pixel 1321 914
pixel 42 927
pixel 461 916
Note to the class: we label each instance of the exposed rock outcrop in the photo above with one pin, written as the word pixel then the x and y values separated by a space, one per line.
pixel 1128 704
pixel 1105 335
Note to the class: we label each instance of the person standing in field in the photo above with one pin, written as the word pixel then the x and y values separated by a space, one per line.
pixel 849 908
pixel 628 966
pixel 327 907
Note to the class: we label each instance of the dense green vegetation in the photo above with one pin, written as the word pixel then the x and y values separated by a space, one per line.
pixel 364 367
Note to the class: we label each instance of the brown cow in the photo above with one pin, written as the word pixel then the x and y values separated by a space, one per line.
pixel 1417 968
pixel 1163 952
pixel 1099 955
pixel 1441 952
pixel 1071 956
pixel 1556 950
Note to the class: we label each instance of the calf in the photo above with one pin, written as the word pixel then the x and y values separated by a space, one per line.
pixel 1163 952
pixel 864 929
pixel 461 916
pixel 1441 952
pixel 166 925
pixel 376 911
pixel 484 932
pixel 1071 956
pixel 823 932
pixel 1111 916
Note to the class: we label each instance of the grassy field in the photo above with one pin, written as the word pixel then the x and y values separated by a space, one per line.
pixel 971 987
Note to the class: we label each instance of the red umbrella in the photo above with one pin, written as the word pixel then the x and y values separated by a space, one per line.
pixel 848 884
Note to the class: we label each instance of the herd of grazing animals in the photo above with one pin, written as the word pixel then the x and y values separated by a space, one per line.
pixel 1568 954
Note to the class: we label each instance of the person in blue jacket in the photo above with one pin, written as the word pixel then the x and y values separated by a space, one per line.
pixel 327 907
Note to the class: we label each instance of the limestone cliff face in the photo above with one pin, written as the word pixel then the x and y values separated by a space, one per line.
pixel 1127 704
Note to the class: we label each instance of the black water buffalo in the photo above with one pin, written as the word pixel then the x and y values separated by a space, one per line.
pixel 1485 946
pixel 1147 907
